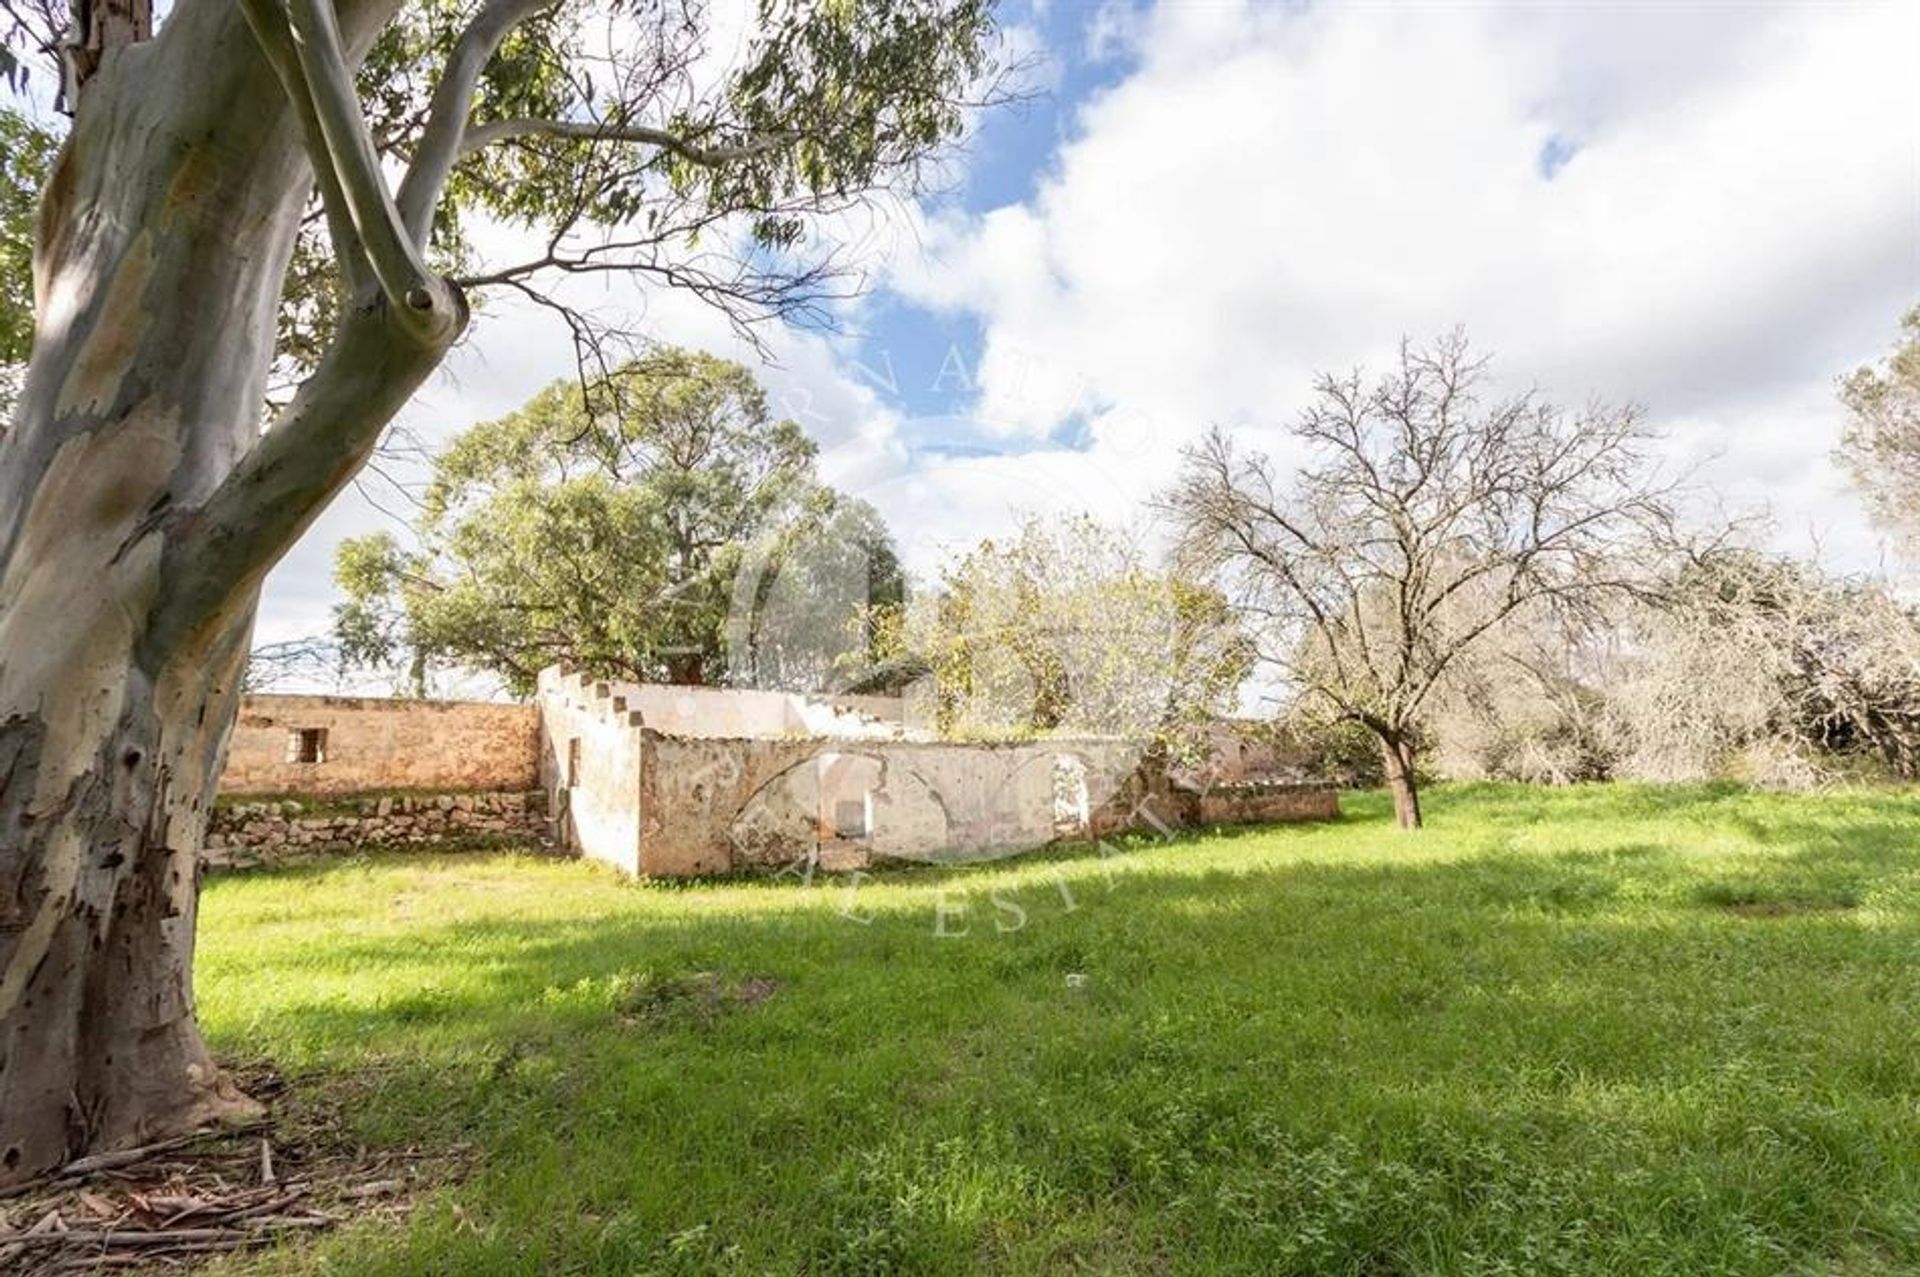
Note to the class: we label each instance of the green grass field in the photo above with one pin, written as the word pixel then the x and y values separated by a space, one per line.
pixel 1600 1030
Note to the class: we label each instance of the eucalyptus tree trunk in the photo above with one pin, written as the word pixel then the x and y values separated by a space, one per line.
pixel 140 506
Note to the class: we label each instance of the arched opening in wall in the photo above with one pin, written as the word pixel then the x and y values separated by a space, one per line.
pixel 847 782
pixel 1072 811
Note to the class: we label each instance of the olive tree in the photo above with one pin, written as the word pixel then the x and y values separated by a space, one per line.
pixel 1424 514
pixel 212 158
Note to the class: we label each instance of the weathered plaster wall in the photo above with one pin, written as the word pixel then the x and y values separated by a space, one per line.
pixel 747 712
pixel 695 794
pixel 713 804
pixel 600 775
pixel 590 768
pixel 371 743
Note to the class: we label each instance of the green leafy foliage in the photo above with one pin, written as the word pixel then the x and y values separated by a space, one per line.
pixel 1067 626
pixel 608 530
pixel 26 158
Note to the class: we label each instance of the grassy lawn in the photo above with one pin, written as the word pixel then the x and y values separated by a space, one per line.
pixel 1604 1030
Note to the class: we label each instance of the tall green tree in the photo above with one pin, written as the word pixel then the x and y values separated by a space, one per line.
pixel 608 529
pixel 222 153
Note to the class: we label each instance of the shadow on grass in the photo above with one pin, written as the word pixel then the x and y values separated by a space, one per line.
pixel 1350 1060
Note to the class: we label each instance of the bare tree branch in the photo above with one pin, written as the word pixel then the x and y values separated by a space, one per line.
pixel 1422 522
pixel 484 135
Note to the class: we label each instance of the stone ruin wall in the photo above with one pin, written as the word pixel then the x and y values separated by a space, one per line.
pixel 326 745
pixel 600 763
pixel 668 781
pixel 589 769
pixel 1258 802
pixel 711 805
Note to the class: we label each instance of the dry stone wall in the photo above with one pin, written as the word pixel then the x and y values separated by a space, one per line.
pixel 271 829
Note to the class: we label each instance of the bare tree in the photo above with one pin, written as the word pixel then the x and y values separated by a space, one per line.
pixel 298 662
pixel 1529 702
pixel 1765 668
pixel 1422 517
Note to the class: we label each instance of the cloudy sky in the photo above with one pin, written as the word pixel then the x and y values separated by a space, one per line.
pixel 1712 211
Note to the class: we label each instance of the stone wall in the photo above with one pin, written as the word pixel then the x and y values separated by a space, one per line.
pixel 644 778
pixel 352 744
pixel 1239 750
pixel 598 780
pixel 249 833
pixel 1263 802
pixel 673 781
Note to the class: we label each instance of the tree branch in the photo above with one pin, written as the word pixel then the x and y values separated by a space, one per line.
pixel 709 157
pixel 444 139
pixel 424 306
pixel 315 447
pixel 270 31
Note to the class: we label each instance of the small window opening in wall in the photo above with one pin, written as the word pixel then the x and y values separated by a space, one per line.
pixel 851 817
pixel 573 761
pixel 307 745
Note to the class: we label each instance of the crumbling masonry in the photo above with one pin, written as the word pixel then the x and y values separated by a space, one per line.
pixel 675 781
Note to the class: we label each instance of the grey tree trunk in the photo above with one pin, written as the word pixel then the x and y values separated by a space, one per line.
pixel 1396 754
pixel 132 543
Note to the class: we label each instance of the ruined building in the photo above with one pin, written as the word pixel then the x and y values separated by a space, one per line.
pixel 673 781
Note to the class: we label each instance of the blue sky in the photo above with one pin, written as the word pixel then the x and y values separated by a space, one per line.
pixel 1711 209
pixel 924 358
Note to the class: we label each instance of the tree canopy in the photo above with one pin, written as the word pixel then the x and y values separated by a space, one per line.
pixel 1067 626
pixel 609 531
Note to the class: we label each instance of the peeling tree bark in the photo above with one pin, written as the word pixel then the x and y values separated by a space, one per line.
pixel 139 509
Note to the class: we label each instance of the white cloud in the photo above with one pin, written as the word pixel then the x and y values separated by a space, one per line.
pixel 1271 190
pixel 1274 191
